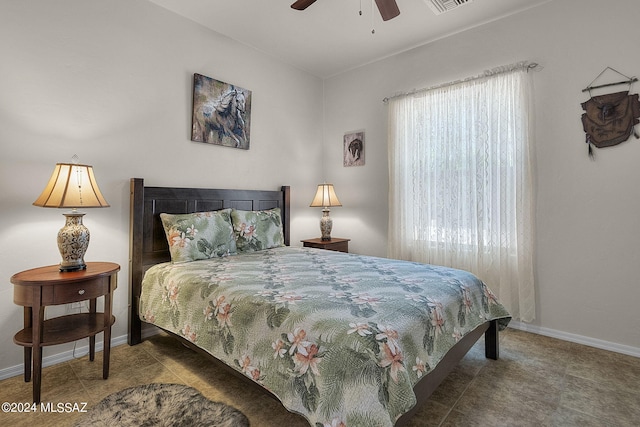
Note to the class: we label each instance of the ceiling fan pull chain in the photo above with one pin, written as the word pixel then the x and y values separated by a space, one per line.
pixel 360 11
pixel 373 30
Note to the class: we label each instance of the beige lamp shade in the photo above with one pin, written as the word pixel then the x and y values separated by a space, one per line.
pixel 325 197
pixel 72 186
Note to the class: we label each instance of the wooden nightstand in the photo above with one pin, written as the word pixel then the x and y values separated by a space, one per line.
pixel 40 287
pixel 335 244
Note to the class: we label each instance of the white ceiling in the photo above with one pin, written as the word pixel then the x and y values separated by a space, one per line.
pixel 330 36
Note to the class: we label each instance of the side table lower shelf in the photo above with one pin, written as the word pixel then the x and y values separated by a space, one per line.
pixel 60 330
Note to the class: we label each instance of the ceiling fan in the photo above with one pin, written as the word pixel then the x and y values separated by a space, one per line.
pixel 388 8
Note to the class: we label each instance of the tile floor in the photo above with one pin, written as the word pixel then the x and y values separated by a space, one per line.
pixel 538 381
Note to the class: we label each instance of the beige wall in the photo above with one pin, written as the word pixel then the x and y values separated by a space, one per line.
pixel 588 212
pixel 111 82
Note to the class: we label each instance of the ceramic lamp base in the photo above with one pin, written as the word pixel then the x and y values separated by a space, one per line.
pixel 73 241
pixel 326 224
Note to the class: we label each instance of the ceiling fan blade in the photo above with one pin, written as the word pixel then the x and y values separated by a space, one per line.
pixel 302 4
pixel 388 9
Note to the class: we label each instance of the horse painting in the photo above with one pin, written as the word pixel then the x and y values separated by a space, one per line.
pixel 221 113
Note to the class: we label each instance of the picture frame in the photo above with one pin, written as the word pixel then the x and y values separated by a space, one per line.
pixel 353 149
pixel 221 113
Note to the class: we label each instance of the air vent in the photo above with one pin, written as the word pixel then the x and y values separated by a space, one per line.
pixel 441 6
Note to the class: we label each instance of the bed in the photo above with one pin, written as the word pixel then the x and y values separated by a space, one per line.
pixel 335 337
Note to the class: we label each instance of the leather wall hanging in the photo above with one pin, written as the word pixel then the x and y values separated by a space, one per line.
pixel 611 118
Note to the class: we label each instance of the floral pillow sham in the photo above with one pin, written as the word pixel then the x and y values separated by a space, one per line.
pixel 199 235
pixel 257 230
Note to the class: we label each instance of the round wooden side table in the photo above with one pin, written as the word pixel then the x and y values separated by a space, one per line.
pixel 40 287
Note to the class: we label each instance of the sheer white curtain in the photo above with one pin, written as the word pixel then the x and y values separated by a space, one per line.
pixel 460 182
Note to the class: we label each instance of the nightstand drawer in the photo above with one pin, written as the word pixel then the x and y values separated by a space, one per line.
pixel 338 247
pixel 72 292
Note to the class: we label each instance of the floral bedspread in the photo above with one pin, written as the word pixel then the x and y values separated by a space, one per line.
pixel 340 338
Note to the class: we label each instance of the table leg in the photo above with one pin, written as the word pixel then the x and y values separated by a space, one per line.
pixel 27 350
pixel 107 330
pixel 92 338
pixel 37 322
pixel 107 353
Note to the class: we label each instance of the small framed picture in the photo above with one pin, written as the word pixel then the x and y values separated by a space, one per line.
pixel 353 150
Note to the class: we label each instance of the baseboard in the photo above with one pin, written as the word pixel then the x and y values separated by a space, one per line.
pixel 76 353
pixel 578 339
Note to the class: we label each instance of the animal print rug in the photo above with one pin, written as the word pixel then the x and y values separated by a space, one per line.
pixel 161 405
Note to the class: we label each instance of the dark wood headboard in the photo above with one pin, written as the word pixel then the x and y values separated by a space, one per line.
pixel 148 244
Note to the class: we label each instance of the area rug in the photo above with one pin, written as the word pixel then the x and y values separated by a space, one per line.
pixel 161 405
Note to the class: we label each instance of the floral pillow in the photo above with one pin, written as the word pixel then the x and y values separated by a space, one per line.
pixel 200 235
pixel 257 230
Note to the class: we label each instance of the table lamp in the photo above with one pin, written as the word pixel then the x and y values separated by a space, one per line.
pixel 325 198
pixel 72 186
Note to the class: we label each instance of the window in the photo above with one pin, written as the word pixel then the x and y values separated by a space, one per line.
pixel 460 182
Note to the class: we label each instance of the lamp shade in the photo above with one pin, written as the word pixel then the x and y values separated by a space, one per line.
pixel 72 186
pixel 325 197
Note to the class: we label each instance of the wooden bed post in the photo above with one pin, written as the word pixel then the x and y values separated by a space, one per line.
pixel 285 212
pixel 135 259
pixel 491 341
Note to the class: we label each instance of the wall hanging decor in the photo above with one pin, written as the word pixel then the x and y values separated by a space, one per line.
pixel 221 113
pixel 353 149
pixel 610 119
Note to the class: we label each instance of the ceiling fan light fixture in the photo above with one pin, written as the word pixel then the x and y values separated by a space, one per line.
pixel 388 8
